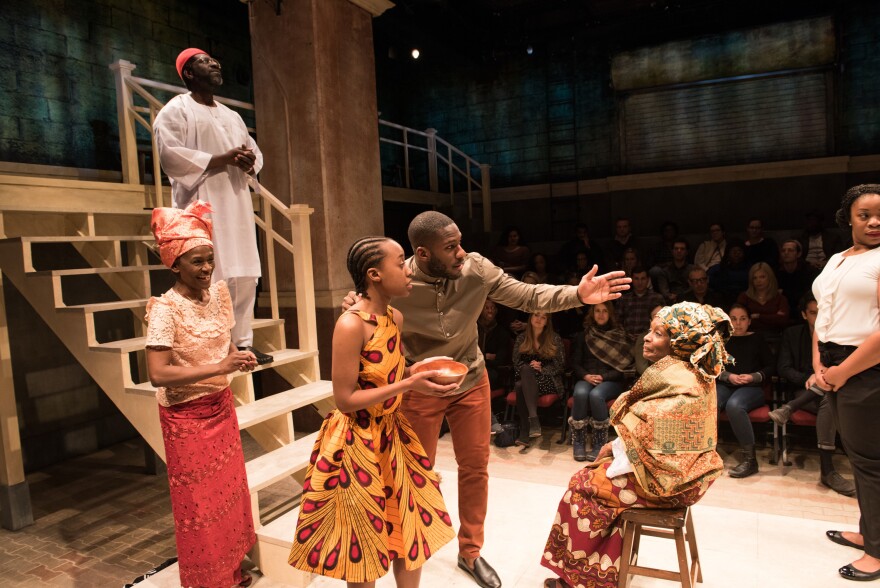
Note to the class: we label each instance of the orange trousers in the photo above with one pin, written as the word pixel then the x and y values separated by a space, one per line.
pixel 469 415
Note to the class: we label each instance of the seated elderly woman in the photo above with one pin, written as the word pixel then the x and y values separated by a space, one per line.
pixel 664 456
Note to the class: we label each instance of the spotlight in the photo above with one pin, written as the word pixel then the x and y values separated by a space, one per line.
pixel 415 53
pixel 530 50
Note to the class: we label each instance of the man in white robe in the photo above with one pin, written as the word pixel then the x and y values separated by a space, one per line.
pixel 206 151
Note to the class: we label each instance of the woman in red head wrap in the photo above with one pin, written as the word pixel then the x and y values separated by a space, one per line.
pixel 190 360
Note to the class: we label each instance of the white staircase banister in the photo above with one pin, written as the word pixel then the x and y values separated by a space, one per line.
pixel 435 147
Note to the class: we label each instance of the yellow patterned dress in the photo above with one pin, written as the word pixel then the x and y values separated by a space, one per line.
pixel 370 493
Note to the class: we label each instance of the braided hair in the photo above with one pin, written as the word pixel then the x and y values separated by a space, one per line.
pixel 844 212
pixel 364 254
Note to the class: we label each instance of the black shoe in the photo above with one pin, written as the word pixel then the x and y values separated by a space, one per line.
pixel 838 483
pixel 851 573
pixel 483 574
pixel 747 468
pixel 262 358
pixel 838 538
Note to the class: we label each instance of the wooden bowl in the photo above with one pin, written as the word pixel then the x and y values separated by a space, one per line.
pixel 453 372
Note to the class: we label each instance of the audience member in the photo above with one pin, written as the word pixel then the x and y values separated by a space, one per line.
pixel 600 354
pixel 635 307
pixel 671 278
pixel 638 352
pixel 699 290
pixel 494 341
pixel 496 344
pixel 768 309
pixel 711 252
pixel 758 247
pixel 530 277
pixel 511 254
pixel 623 240
pixel 541 269
pixel 740 385
pixel 668 236
pixel 581 243
pixel 731 276
pixel 796 365
pixel 794 276
pixel 582 264
pixel 538 363
pixel 630 261
pixel 818 243
pixel 638 469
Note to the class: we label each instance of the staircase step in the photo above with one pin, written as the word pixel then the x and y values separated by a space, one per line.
pixel 281 357
pixel 280 463
pixel 282 403
pixel 85 271
pixel 137 343
pixel 104 306
pixel 280 531
pixel 78 239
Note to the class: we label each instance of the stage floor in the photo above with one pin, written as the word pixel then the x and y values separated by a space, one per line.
pixel 101 522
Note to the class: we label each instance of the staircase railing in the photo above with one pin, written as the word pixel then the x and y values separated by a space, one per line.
pixel 298 243
pixel 461 172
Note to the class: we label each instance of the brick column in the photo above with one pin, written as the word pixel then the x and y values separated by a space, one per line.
pixel 317 125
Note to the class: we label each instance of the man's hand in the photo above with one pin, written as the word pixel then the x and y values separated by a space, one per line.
pixel 244 159
pixel 350 300
pixel 594 289
pixel 240 157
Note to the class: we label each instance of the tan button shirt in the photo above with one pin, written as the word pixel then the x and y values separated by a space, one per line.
pixel 441 314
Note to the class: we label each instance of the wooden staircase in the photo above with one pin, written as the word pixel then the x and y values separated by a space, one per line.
pixel 114 247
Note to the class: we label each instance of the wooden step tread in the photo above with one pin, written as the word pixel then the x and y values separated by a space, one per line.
pixel 282 403
pixel 77 238
pixel 85 271
pixel 280 531
pixel 104 306
pixel 281 357
pixel 280 463
pixel 137 343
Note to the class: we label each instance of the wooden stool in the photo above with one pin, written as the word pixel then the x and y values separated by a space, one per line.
pixel 666 523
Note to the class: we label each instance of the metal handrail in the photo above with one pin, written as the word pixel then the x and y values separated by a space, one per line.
pixel 474 174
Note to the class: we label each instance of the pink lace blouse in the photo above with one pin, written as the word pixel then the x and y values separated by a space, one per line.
pixel 196 334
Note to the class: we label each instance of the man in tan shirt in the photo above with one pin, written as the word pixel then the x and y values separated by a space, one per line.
pixel 449 289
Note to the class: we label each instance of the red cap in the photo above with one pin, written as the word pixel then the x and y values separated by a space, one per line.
pixel 185 56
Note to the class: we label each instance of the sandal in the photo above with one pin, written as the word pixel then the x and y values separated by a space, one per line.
pixel 554 583
pixel 246 580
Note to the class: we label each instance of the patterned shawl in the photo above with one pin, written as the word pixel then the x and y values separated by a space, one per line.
pixel 668 422
pixel 610 346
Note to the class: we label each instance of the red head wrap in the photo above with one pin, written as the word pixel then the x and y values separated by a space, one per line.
pixel 177 231
pixel 185 56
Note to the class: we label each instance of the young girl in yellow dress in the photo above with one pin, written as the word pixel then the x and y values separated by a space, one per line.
pixel 371 499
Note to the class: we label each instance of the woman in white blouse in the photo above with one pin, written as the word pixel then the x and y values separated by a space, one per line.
pixel 846 360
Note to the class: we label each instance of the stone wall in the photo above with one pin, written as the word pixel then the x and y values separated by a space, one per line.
pixel 57 97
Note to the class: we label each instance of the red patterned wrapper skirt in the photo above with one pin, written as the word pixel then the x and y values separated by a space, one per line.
pixel 585 542
pixel 209 491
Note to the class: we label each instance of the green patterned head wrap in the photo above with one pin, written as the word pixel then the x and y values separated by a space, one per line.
pixel 697 333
